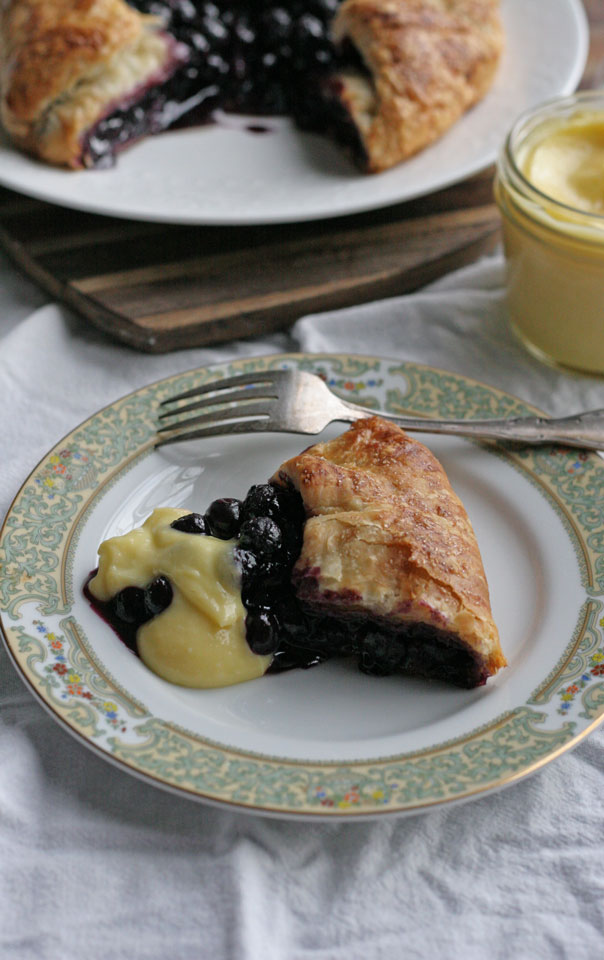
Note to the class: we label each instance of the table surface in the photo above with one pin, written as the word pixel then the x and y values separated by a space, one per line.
pixel 95 863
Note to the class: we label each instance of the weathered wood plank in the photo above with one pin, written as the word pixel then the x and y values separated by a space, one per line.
pixel 159 288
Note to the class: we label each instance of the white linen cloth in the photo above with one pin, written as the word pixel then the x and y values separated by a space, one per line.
pixel 96 864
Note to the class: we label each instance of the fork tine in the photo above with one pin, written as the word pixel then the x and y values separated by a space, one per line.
pixel 243 426
pixel 215 386
pixel 231 396
pixel 218 416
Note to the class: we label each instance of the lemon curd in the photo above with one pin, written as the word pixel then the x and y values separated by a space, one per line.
pixel 550 192
pixel 567 162
pixel 199 639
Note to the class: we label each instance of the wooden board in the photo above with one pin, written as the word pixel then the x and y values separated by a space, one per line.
pixel 160 288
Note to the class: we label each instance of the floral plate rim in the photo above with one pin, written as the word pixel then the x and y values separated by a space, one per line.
pixel 119 729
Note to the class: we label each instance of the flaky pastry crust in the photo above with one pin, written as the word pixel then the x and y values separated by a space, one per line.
pixel 387 537
pixel 426 62
pixel 53 54
pixel 418 65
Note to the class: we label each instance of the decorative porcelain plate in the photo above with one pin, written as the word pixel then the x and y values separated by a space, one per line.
pixel 328 741
pixel 225 174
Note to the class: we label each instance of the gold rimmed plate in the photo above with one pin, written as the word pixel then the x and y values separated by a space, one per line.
pixel 326 742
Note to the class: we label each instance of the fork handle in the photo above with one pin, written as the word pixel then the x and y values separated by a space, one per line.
pixel 585 430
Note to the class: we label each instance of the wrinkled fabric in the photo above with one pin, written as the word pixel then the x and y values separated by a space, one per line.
pixel 97 864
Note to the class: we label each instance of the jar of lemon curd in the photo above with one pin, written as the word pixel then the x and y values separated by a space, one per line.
pixel 550 192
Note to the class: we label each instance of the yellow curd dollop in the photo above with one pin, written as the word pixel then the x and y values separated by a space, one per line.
pixel 565 160
pixel 199 640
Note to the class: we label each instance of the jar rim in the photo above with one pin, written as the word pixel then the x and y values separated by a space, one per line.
pixel 542 112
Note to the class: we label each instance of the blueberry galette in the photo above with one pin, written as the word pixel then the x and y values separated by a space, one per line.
pixel 79 81
pixel 356 548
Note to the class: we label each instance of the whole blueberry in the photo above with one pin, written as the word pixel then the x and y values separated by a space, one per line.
pixel 262 500
pixel 185 9
pixel 215 31
pixel 248 564
pixel 191 523
pixel 223 517
pixel 199 42
pixel 262 632
pixel 254 592
pixel 158 596
pixel 209 10
pixel 216 67
pixel 309 28
pixel 276 25
pixel 129 605
pixel 244 31
pixel 263 537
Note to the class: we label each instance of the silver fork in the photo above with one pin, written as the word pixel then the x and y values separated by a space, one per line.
pixel 295 401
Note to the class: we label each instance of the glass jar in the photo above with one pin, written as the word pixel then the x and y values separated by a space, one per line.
pixel 549 189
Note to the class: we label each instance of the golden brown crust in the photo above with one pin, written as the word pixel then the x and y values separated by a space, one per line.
pixel 386 532
pixel 428 61
pixel 47 48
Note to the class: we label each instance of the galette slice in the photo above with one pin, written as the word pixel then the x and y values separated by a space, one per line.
pixel 66 68
pixel 357 548
pixel 388 549
pixel 408 71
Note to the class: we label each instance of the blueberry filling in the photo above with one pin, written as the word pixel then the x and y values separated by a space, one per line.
pixel 132 607
pixel 246 56
pixel 283 615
